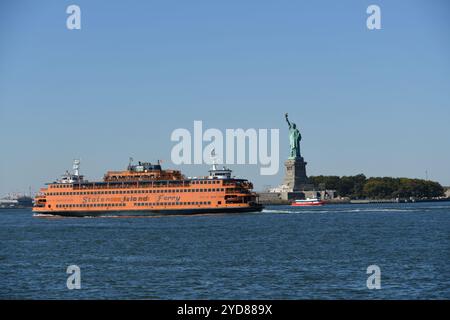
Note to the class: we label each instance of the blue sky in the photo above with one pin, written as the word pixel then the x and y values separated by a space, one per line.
pixel 372 102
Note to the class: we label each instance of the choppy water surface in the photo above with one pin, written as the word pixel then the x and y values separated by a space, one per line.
pixel 281 253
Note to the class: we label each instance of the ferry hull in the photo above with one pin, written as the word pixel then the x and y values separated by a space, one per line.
pixel 143 213
pixel 309 204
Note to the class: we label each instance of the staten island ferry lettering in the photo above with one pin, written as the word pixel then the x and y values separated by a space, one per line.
pixel 147 189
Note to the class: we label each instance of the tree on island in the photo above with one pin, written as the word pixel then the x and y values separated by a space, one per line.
pixel 359 187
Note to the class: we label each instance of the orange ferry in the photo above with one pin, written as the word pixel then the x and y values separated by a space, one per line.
pixel 146 189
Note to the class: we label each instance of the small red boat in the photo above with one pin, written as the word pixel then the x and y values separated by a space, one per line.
pixel 307 203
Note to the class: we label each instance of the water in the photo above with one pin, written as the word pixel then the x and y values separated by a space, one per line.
pixel 281 253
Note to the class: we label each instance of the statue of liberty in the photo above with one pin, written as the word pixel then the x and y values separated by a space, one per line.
pixel 294 139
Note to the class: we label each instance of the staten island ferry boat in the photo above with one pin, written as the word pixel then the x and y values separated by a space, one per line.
pixel 146 189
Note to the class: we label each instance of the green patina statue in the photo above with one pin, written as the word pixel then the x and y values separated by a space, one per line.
pixel 294 139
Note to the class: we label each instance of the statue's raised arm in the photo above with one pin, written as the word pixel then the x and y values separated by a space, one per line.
pixel 287 120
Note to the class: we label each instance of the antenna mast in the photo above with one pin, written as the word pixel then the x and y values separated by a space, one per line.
pixel 76 167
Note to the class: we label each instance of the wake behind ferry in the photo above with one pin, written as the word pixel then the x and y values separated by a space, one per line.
pixel 146 189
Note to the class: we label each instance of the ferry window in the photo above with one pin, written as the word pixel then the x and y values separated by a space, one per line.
pixel 219 202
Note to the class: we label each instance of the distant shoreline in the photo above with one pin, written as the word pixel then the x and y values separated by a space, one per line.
pixel 365 201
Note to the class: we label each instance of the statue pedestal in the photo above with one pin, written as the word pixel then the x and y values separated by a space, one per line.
pixel 295 177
